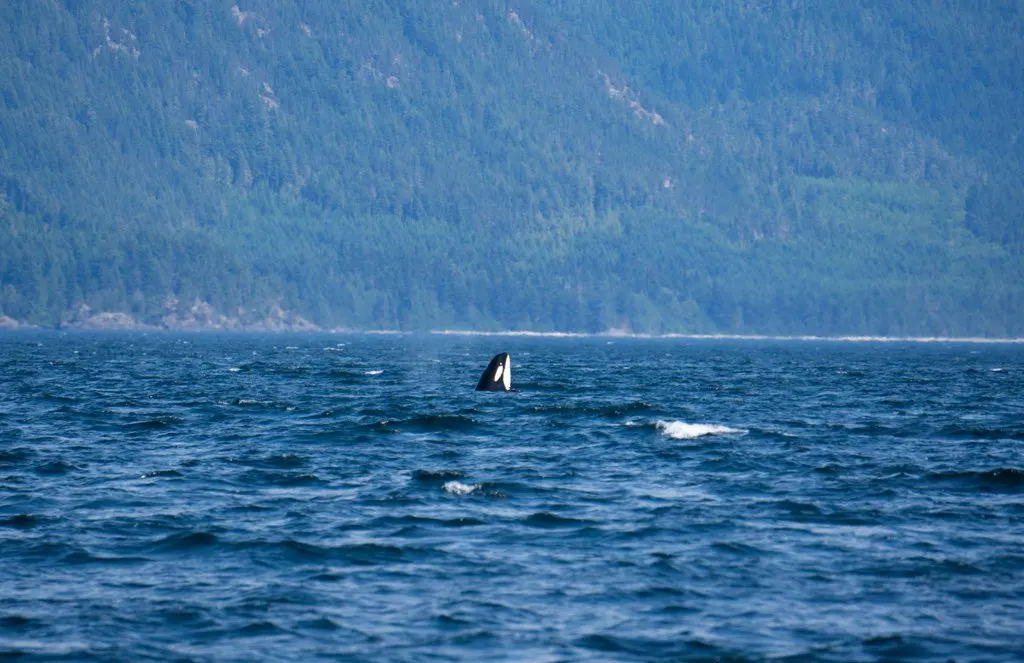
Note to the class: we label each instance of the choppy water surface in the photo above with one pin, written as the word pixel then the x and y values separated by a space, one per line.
pixel 218 498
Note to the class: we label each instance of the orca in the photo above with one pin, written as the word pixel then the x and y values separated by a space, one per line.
pixel 498 374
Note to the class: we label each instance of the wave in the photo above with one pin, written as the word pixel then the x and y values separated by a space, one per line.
pixel 280 478
pixel 426 521
pixel 680 430
pixel 654 648
pixel 362 553
pixel 607 411
pixel 22 521
pixel 429 423
pixel 14 457
pixel 437 475
pixel 156 474
pixel 1002 479
pixel 158 423
pixel 55 467
pixel 286 461
pixel 365 553
pixel 187 541
pixel 459 488
pixel 981 433
pixel 261 628
pixel 86 557
pixel 548 520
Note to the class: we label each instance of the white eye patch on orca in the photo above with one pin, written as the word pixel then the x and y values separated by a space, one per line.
pixel 498 374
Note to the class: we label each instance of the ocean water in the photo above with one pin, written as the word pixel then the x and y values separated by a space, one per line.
pixel 350 497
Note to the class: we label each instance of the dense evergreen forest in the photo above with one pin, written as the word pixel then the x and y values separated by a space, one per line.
pixel 734 166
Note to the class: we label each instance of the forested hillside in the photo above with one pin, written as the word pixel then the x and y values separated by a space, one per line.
pixel 746 166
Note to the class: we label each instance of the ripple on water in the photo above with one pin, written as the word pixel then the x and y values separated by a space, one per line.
pixel 22 521
pixel 672 499
pixel 548 520
pixel 997 480
pixel 13 458
pixel 55 468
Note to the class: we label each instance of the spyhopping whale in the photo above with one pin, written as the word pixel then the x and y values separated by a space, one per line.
pixel 498 374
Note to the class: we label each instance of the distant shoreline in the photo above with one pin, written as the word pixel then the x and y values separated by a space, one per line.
pixel 609 335
pixel 844 338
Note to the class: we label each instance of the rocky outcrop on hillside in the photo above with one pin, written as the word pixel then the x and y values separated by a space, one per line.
pixel 197 316
pixel 7 322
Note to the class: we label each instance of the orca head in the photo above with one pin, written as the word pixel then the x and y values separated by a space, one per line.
pixel 498 374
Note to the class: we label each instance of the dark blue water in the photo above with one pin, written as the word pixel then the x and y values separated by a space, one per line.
pixel 218 498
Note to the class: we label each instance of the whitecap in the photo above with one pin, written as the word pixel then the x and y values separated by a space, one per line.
pixel 378 372
pixel 234 369
pixel 680 430
pixel 459 488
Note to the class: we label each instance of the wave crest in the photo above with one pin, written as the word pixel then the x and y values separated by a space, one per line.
pixel 680 430
pixel 459 488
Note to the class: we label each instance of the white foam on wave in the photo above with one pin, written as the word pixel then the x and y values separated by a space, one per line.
pixel 614 333
pixel 377 372
pixel 459 488
pixel 680 430
pixel 527 334
pixel 234 369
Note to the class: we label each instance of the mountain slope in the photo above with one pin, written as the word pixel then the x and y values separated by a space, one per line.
pixel 739 167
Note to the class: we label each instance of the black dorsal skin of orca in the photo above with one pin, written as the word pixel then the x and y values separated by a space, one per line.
pixel 498 374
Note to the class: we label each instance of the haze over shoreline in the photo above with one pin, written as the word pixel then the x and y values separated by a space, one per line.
pixel 608 335
pixel 740 337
